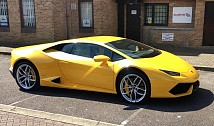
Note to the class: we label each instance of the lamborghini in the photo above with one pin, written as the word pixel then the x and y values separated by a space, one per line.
pixel 107 64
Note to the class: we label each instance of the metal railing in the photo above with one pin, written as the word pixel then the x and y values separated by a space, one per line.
pixel 28 13
pixel 3 13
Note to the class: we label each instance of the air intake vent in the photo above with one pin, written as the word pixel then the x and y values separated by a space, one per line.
pixel 57 80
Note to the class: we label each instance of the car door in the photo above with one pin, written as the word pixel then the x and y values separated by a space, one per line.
pixel 78 66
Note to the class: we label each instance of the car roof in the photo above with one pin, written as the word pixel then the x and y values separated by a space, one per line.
pixel 99 39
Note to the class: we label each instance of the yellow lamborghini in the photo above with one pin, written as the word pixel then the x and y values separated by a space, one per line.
pixel 104 64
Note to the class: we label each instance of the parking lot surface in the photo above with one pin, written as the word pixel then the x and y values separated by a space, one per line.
pixel 196 109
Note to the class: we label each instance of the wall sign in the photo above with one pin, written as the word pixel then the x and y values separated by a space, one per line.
pixel 3 20
pixel 182 15
pixel 149 20
pixel 86 23
pixel 168 37
pixel 133 11
pixel 73 6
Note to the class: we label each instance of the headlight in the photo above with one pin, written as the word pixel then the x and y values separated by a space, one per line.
pixel 171 73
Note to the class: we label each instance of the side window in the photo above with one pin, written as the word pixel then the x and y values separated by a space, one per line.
pixel 116 57
pixel 82 49
pixel 65 47
pixel 108 53
pixel 87 50
pixel 99 50
pixel 68 48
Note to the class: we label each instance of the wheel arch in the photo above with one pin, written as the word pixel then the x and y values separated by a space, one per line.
pixel 36 80
pixel 22 60
pixel 124 70
pixel 130 70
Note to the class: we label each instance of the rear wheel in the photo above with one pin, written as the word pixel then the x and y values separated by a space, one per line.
pixel 27 76
pixel 134 87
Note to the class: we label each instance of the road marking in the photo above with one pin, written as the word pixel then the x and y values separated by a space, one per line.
pixel 52 116
pixel 131 117
pixel 23 100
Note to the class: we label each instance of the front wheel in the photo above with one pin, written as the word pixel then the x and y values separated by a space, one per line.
pixel 27 76
pixel 134 87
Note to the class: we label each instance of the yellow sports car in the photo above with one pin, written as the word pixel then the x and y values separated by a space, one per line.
pixel 104 64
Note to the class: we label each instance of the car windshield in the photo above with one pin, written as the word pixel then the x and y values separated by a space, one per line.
pixel 134 49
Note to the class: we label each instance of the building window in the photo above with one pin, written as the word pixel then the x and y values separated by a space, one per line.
pixel 86 13
pixel 28 14
pixel 156 14
pixel 4 18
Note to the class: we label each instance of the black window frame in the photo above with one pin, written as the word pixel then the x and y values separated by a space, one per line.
pixel 26 29
pixel 153 14
pixel 80 17
pixel 8 21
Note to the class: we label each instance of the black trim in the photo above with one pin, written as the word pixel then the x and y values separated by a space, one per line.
pixel 26 29
pixel 196 85
pixel 181 88
pixel 57 80
pixel 88 29
pixel 128 1
pixel 121 19
pixel 5 28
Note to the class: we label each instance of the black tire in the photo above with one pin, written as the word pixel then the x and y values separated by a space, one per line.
pixel 27 76
pixel 126 87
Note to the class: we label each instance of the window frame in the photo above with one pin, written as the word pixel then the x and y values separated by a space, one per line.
pixel 26 29
pixel 80 16
pixel 153 14
pixel 79 44
pixel 8 21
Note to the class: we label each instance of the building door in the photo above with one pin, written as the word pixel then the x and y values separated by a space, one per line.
pixel 208 38
pixel 133 13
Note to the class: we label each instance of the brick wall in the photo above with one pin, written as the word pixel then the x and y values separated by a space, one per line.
pixel 51 22
pixel 199 23
pixel 44 21
pixel 44 24
pixel 59 17
pixel 105 19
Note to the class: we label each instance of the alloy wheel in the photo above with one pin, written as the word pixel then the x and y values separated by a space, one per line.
pixel 133 88
pixel 26 76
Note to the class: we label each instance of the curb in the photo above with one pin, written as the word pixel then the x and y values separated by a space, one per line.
pixel 204 68
pixel 5 53
pixel 54 117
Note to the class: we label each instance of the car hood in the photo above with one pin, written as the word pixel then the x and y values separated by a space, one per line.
pixel 166 61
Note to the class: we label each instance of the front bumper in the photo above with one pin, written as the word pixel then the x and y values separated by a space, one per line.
pixel 181 88
pixel 196 85
pixel 172 89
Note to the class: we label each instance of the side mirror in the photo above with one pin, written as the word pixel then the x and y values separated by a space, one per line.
pixel 101 58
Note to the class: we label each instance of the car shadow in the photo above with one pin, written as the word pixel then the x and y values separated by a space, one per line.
pixel 198 100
